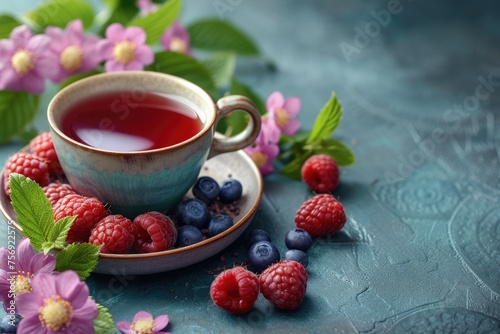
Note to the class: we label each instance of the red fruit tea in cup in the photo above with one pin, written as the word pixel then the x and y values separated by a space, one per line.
pixel 118 122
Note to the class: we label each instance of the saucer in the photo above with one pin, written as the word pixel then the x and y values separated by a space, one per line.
pixel 236 165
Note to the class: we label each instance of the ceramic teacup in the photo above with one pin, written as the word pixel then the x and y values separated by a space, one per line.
pixel 132 182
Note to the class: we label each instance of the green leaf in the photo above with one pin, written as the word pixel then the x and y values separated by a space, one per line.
pixel 7 23
pixel 219 35
pixel 233 123
pixel 60 231
pixel 117 11
pixel 238 88
pixel 103 324
pixel 221 65
pixel 59 13
pixel 77 77
pixel 154 24
pixel 17 109
pixel 327 120
pixel 292 170
pixel 81 258
pixel 336 149
pixel 183 66
pixel 33 210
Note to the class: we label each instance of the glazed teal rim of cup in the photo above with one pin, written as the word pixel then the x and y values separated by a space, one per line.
pixel 207 124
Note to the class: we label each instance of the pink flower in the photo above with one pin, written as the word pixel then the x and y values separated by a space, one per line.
pixel 76 52
pixel 176 38
pixel 284 112
pixel 125 49
pixel 25 61
pixel 143 322
pixel 59 303
pixel 146 6
pixel 265 148
pixel 26 264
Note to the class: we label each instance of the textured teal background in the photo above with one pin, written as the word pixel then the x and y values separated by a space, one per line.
pixel 420 88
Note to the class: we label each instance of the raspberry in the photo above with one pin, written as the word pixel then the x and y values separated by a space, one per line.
pixel 89 212
pixel 320 215
pixel 57 190
pixel 115 234
pixel 43 147
pixel 235 290
pixel 28 165
pixel 284 284
pixel 155 232
pixel 320 173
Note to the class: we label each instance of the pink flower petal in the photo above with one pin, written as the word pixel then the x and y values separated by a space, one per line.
pixel 142 315
pixel 71 288
pixel 87 311
pixel 134 65
pixel 105 49
pixel 58 39
pixel 144 54
pixel 161 322
pixel 28 303
pixel 20 36
pixel 135 35
pixel 38 44
pixel 42 263
pixel 45 282
pixel 47 67
pixel 292 106
pixel 291 127
pixel 7 49
pixel 113 66
pixel 275 101
pixel 31 325
pixel 124 326
pixel 33 83
pixel 4 257
pixel 115 33
pixel 266 169
pixel 24 254
pixel 74 30
pixel 9 79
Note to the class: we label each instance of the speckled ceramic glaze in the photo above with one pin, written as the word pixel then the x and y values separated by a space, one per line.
pixel 134 182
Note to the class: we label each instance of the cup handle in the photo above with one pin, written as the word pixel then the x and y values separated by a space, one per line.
pixel 226 105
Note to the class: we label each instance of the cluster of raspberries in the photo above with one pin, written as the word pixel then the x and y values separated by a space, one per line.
pixel 149 232
pixel 284 283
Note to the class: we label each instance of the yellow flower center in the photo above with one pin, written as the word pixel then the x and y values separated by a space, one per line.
pixel 144 326
pixel 22 62
pixel 124 52
pixel 282 117
pixel 56 313
pixel 259 158
pixel 71 58
pixel 178 45
pixel 23 282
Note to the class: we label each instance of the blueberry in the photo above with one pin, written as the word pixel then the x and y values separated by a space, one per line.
pixel 206 189
pixel 298 238
pixel 262 254
pixel 9 323
pixel 192 211
pixel 230 191
pixel 298 256
pixel 257 235
pixel 188 235
pixel 219 223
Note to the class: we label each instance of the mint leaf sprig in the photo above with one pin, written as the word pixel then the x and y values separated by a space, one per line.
pixel 317 141
pixel 36 218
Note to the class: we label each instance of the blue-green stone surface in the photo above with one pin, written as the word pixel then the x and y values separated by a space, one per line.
pixel 419 82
